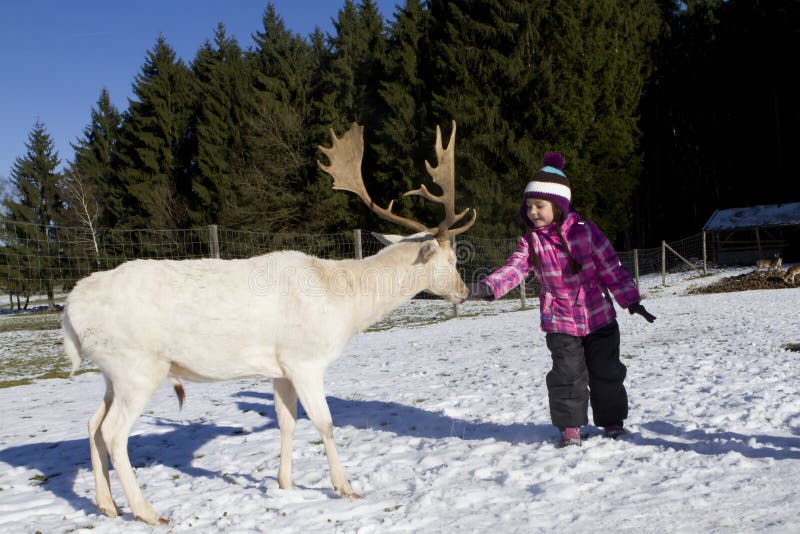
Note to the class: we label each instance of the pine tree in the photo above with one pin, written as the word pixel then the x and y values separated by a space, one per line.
pixel 477 75
pixel 222 85
pixel 354 73
pixel 153 157
pixel 599 62
pixel 36 206
pixel 614 140
pixel 269 174
pixel 348 88
pixel 283 62
pixel 403 138
pixel 324 210
pixel 90 170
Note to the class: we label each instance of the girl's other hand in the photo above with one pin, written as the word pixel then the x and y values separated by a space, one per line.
pixel 638 308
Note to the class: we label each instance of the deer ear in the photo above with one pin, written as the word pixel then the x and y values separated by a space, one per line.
pixel 391 239
pixel 427 251
pixel 387 239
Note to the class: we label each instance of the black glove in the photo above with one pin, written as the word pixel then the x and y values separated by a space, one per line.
pixel 480 290
pixel 638 308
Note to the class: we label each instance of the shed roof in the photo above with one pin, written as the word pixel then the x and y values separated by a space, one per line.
pixel 765 216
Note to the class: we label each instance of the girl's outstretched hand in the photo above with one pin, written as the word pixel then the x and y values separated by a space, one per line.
pixel 638 308
pixel 480 291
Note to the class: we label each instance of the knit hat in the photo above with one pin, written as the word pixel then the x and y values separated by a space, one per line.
pixel 549 183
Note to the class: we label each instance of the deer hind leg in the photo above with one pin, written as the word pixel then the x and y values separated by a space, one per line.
pixel 132 392
pixel 286 411
pixel 99 454
pixel 310 390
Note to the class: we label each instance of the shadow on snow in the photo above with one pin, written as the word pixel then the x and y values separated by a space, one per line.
pixel 60 462
pixel 709 442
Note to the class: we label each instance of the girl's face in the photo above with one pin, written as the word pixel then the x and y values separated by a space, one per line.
pixel 540 211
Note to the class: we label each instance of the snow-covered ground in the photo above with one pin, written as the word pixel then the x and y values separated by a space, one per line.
pixel 445 428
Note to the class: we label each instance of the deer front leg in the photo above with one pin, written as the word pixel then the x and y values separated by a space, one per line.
pixel 286 411
pixel 311 392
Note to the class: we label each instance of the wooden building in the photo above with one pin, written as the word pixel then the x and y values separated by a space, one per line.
pixel 740 236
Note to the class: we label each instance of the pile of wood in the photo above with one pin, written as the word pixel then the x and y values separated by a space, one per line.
pixel 753 280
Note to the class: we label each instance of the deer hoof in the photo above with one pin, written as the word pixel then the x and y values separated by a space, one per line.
pixel 349 494
pixel 154 521
pixel 109 512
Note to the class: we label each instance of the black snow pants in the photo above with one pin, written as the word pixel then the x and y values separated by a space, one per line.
pixel 583 368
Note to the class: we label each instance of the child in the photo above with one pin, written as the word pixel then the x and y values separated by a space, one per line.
pixel 577 267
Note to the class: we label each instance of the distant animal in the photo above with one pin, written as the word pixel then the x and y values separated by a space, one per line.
pixel 770 264
pixel 791 272
pixel 284 315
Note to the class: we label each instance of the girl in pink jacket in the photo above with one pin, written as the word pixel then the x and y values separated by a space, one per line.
pixel 578 270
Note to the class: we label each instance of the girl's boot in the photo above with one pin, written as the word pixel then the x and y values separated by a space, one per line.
pixel 570 436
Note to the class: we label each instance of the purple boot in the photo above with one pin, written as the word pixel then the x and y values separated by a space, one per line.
pixel 570 436
pixel 613 431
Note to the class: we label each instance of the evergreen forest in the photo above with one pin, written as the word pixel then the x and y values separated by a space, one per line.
pixel 664 111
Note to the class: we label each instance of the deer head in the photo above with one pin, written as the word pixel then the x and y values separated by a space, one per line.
pixel 436 253
pixel 345 155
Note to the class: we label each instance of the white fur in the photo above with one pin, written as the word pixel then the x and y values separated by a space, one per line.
pixel 285 315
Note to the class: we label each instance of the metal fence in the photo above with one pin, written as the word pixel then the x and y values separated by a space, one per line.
pixel 37 260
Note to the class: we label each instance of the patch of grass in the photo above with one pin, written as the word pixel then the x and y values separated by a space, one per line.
pixel 31 349
pixel 793 347
pixel 395 321
pixel 38 480
pixel 65 374
pixel 12 383
pixel 30 321
pixel 27 366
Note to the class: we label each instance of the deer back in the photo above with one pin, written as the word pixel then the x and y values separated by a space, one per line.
pixel 763 263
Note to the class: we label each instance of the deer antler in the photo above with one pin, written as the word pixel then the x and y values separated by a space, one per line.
pixel 345 155
pixel 444 176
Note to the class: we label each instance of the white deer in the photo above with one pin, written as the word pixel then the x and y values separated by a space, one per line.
pixel 284 315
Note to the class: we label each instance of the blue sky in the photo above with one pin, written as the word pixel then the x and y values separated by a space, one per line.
pixel 57 55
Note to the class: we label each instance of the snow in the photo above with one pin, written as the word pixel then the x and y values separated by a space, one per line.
pixel 445 428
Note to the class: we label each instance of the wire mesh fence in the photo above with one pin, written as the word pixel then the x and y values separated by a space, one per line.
pixel 40 260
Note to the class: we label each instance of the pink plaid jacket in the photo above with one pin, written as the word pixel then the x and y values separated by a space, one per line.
pixel 575 304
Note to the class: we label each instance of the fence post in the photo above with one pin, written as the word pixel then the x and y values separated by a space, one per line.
pixel 663 263
pixel 522 295
pixel 213 240
pixel 359 251
pixel 705 258
pixel 636 265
